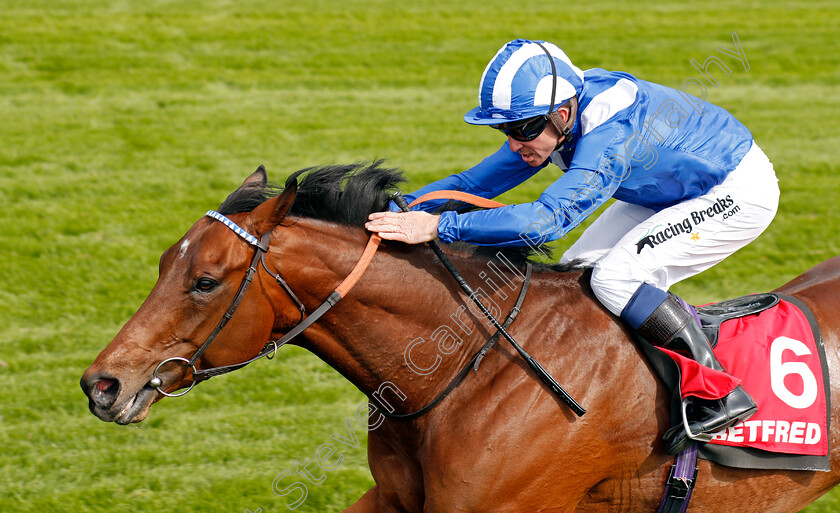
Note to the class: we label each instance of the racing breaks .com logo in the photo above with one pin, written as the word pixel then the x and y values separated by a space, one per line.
pixel 724 206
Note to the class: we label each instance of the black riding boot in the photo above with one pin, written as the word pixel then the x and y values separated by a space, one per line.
pixel 673 328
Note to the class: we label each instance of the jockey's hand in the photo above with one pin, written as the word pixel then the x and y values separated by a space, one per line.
pixel 411 227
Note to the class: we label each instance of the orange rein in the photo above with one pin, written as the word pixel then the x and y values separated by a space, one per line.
pixel 375 239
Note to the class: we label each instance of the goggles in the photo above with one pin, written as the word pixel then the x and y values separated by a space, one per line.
pixel 525 130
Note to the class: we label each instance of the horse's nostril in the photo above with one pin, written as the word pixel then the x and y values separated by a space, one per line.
pixel 104 391
pixel 104 384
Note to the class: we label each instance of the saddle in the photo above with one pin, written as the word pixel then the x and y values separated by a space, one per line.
pixel 712 316
pixel 744 346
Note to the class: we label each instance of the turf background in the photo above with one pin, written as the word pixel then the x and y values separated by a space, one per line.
pixel 122 122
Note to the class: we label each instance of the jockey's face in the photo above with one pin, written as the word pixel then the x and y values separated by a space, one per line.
pixel 536 151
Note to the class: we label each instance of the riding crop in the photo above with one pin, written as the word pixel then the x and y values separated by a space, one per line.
pixel 534 364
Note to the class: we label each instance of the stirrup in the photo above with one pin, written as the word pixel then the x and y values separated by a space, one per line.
pixel 699 437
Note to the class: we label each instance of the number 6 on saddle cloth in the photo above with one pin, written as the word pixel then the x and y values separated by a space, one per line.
pixel 801 441
pixel 771 345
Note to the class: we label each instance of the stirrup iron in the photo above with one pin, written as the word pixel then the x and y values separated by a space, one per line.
pixel 699 437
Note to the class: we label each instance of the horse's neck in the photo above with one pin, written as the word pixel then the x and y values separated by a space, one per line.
pixel 405 323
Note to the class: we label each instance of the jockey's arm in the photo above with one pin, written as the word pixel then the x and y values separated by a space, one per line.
pixel 559 209
pixel 496 174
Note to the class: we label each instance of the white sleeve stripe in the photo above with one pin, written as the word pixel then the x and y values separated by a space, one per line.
pixel 606 104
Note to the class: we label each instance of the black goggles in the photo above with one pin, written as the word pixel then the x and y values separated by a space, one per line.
pixel 526 130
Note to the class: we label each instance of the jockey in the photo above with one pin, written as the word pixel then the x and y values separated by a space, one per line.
pixel 690 185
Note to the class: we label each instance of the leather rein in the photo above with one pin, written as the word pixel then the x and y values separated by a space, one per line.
pixel 261 246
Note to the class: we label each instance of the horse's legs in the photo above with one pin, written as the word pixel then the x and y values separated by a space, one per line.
pixel 372 502
pixel 376 501
pixel 368 503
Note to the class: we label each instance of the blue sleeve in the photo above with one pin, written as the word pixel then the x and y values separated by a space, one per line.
pixel 592 178
pixel 498 173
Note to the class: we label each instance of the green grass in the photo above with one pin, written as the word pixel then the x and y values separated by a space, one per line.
pixel 124 121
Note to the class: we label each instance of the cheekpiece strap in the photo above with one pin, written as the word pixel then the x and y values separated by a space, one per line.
pixel 250 239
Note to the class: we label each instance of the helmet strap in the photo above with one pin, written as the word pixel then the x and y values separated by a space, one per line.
pixel 564 128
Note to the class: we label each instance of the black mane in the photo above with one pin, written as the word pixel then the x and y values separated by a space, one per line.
pixel 347 194
pixel 343 194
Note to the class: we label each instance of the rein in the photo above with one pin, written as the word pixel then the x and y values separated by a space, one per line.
pixel 538 369
pixel 261 246
pixel 474 362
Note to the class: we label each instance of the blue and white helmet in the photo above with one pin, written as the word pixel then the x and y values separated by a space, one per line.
pixel 518 81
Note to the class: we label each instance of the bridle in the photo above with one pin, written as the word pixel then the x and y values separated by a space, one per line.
pixel 261 246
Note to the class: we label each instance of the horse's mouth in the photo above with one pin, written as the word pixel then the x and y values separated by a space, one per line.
pixel 134 409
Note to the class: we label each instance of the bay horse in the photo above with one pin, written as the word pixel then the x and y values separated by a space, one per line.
pixel 500 442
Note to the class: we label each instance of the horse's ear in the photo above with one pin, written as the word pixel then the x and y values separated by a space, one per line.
pixel 269 214
pixel 257 178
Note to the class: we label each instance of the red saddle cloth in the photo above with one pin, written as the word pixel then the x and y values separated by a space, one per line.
pixel 775 356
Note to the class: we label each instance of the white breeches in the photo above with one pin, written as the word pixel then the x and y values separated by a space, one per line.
pixel 630 245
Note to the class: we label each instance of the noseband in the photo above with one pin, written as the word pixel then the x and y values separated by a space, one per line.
pixel 262 245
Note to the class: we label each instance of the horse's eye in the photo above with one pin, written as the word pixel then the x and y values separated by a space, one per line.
pixel 205 285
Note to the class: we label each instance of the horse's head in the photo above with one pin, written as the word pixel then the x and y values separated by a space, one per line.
pixel 198 280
